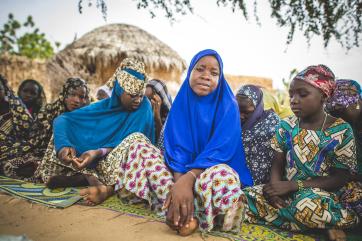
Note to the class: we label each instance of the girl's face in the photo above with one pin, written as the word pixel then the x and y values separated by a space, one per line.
pixel 246 108
pixel 101 94
pixel 131 102
pixel 76 98
pixel 149 92
pixel 205 75
pixel 29 93
pixel 305 100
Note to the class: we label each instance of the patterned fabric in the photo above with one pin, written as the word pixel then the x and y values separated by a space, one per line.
pixel 38 193
pixel 352 197
pixel 319 76
pixel 257 146
pixel 143 175
pixel 348 92
pixel 35 140
pixel 251 92
pixel 17 138
pixel 306 209
pixel 106 170
pixel 161 89
pixel 51 111
pixel 312 153
pixel 309 154
pixel 142 172
pixel 131 82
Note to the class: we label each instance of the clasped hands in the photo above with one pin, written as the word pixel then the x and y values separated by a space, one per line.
pixel 274 191
pixel 68 155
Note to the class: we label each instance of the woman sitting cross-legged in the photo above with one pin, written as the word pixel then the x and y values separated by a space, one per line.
pixel 87 141
pixel 203 168
pixel 314 154
pixel 258 129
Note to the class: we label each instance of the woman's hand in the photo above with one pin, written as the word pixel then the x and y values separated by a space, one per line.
pixel 180 202
pixel 156 102
pixel 277 202
pixel 67 154
pixel 86 158
pixel 279 188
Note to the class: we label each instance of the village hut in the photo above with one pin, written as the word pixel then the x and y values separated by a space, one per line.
pixel 95 56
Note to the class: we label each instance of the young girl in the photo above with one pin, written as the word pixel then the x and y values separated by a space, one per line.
pixel 314 153
pixel 33 96
pixel 258 129
pixel 203 166
pixel 86 141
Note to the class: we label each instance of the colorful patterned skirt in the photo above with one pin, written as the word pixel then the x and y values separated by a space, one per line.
pixel 143 174
pixel 311 208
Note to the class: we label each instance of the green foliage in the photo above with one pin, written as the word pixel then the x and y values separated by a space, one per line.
pixel 31 44
pixel 292 74
pixel 338 19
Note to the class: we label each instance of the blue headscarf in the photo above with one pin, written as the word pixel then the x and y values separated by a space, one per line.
pixel 203 131
pixel 102 124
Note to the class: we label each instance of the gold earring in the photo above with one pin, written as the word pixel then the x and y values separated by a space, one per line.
pixel 357 107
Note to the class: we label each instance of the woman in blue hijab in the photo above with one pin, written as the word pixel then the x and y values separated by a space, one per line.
pixel 88 140
pixel 202 154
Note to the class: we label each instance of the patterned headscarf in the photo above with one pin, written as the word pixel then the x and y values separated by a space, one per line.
pixel 319 76
pixel 131 76
pixel 51 111
pixel 252 92
pixel 58 107
pixel 21 118
pixel 255 94
pixel 15 126
pixel 348 92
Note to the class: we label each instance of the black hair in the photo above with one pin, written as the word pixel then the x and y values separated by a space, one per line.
pixel 40 99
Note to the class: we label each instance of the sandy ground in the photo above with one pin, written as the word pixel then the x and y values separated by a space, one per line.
pixel 78 223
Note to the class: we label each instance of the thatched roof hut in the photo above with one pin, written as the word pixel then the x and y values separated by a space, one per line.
pixel 97 54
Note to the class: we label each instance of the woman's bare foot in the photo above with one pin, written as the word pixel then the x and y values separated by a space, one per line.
pixel 336 235
pixel 96 194
pixel 190 228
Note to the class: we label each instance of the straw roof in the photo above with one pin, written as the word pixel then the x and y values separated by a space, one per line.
pixel 96 55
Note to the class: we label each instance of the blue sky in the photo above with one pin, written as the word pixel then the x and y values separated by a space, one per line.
pixel 246 48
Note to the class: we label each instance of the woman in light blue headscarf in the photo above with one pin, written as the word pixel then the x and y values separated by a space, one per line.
pixel 202 154
pixel 88 140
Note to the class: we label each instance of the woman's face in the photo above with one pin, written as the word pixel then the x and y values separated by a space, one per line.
pixel 29 93
pixel 76 98
pixel 246 108
pixel 149 92
pixel 305 100
pixel 205 75
pixel 131 102
pixel 101 94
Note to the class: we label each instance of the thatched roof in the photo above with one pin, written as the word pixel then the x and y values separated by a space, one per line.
pixel 96 55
